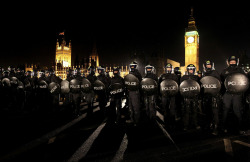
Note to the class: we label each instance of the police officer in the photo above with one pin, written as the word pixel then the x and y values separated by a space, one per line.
pixel 28 91
pixel 178 98
pixel 54 97
pixel 199 74
pixel 102 95
pixel 190 105
pixel 168 102
pixel 134 97
pixel 229 99
pixel 211 104
pixel 42 93
pixel 116 95
pixel 90 96
pixel 76 96
pixel 6 89
pixel 150 100
pixel 12 71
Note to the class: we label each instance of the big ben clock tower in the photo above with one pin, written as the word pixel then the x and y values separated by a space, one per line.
pixel 191 43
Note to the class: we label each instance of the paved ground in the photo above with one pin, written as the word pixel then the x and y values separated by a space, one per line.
pixel 59 137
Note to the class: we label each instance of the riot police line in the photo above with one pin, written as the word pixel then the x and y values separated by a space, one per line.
pixel 179 97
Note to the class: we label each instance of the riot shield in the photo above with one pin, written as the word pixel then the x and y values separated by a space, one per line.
pixel 6 82
pixel 189 88
pixel 210 85
pixel 169 87
pixel 98 86
pixel 116 89
pixel 131 82
pixel 86 85
pixel 20 85
pixel 42 85
pixel 65 87
pixel 54 88
pixel 75 86
pixel 149 86
pixel 236 83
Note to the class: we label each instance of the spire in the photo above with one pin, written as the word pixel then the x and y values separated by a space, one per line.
pixel 191 22
pixel 192 12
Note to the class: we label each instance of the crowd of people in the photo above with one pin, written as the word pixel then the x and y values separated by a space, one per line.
pixel 43 91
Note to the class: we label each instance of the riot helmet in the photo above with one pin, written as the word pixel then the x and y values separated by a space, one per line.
pixel 9 68
pixel 28 73
pixel 199 73
pixel 246 68
pixel 116 71
pixel 101 70
pixel 133 65
pixel 47 73
pixel 149 69
pixel 208 65
pixel 51 71
pixel 233 61
pixel 191 69
pixel 6 73
pixel 41 73
pixel 34 73
pixel 177 70
pixel 169 68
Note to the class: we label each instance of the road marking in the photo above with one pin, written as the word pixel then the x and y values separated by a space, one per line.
pixel 119 154
pixel 160 115
pixel 167 135
pixel 242 143
pixel 228 146
pixel 83 150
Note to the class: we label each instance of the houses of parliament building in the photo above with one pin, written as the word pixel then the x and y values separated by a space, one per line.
pixel 63 59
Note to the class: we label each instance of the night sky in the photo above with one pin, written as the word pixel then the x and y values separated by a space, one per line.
pixel 29 33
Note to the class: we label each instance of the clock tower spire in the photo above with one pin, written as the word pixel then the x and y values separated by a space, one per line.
pixel 191 42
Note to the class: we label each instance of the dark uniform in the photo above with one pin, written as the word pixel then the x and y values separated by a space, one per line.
pixel 234 100
pixel 28 91
pixel 190 105
pixel 150 100
pixel 102 95
pixel 20 89
pixel 169 102
pixel 54 97
pixel 116 98
pixel 90 96
pixel 134 97
pixel 76 96
pixel 42 93
pixel 211 104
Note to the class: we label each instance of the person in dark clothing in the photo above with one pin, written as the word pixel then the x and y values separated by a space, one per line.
pixel 116 88
pixel 134 97
pixel 28 91
pixel 54 96
pixel 229 99
pixel 211 104
pixel 150 100
pixel 102 95
pixel 190 105
pixel 90 96
pixel 42 93
pixel 169 102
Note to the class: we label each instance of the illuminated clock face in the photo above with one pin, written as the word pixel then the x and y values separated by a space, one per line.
pixel 190 39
